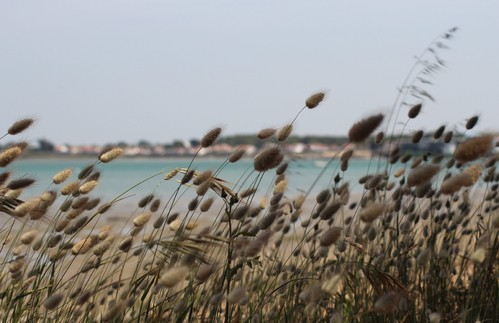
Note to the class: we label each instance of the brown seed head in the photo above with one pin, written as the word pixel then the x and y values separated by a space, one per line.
pixel 314 100
pixel 387 303
pixel 267 159
pixel 85 172
pixel 439 132
pixel 237 154
pixel 210 137
pixel 422 174
pixel 284 132
pixel 145 200
pixel 454 183
pixel 330 236
pixel 173 276
pixel 20 126
pixel 473 148
pixel 53 301
pixel 9 155
pixel 470 124
pixel 20 183
pixel 206 205
pixel 266 133
pixel 372 212
pixel 237 296
pixel 363 129
pixel 414 111
pixel 200 178
pixel 416 137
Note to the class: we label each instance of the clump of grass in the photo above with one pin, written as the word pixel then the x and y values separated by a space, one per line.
pixel 418 243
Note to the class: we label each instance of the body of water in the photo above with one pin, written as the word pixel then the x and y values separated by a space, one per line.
pixel 123 174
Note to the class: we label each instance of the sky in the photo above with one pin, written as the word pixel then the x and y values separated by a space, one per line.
pixel 96 72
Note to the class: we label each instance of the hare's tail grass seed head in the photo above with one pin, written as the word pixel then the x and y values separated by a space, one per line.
pixel 19 126
pixel 315 99
pixel 9 155
pixel 268 158
pixel 361 130
pixel 210 137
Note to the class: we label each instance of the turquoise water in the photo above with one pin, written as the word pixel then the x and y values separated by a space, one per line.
pixel 123 174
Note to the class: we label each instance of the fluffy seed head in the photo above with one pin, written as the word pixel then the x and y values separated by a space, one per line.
pixel 53 301
pixel 24 208
pixel 84 245
pixel 111 154
pixel 423 257
pixel 155 205
pixel 439 132
pixel 473 148
pixel 422 174
pixel 284 132
pixel 266 133
pixel 103 246
pixel 20 183
pixel 85 172
pixel 372 212
pixel 237 154
pixel 206 205
pixel 414 111
pixel 363 129
pixel 187 177
pixel 145 200
pixel 247 192
pixel 203 188
pixel 314 100
pixel 175 224
pixel 416 137
pixel 267 159
pixel 330 236
pixel 125 244
pixel 28 237
pixel 70 188
pixel 171 174
pixel 142 219
pixel 237 296
pixel 474 172
pixel 173 276
pixel 471 123
pixel 62 176
pixel 210 137
pixel 204 272
pixel 281 187
pixel 87 187
pixel 20 126
pixel 202 177
pixel 387 303
pixel 454 183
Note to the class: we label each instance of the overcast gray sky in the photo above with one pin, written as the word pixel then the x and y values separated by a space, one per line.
pixel 106 71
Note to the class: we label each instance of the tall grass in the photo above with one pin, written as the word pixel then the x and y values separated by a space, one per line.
pixel 418 244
